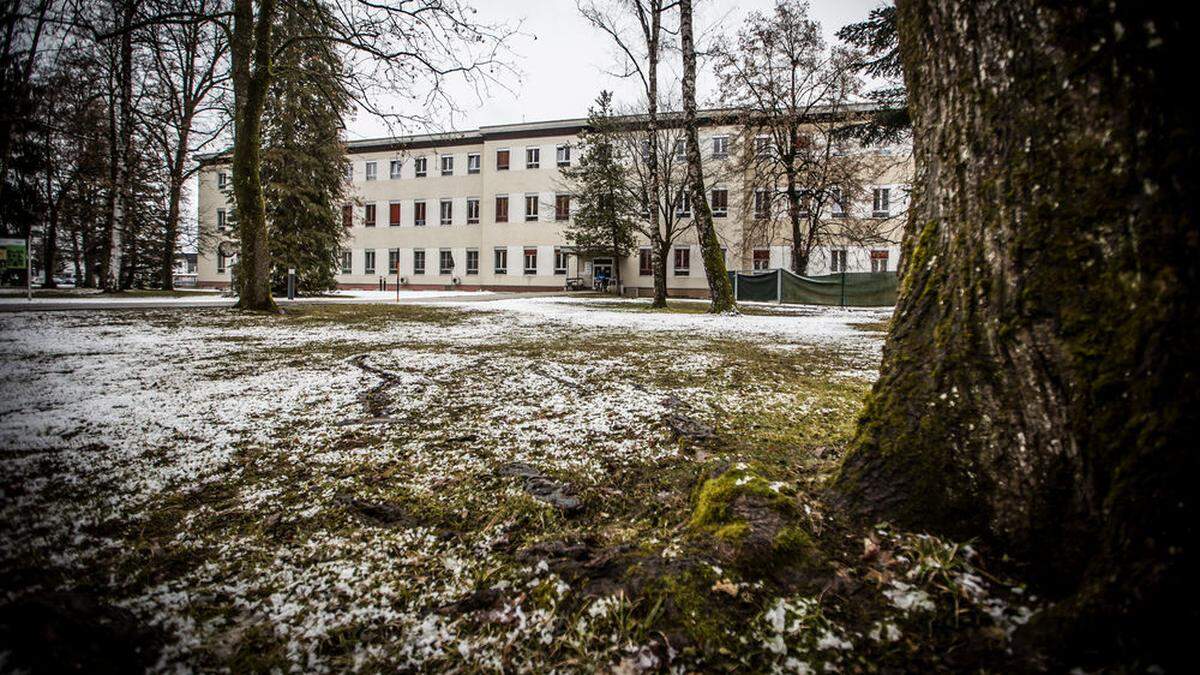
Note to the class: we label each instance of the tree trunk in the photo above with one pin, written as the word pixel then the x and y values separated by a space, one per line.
pixel 1039 383
pixel 171 226
pixel 719 288
pixel 660 255
pixel 660 290
pixel 251 50
pixel 50 246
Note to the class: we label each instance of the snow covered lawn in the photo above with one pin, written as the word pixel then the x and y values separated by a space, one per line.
pixel 431 486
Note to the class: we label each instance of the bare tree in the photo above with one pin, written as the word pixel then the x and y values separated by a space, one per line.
pixel 719 288
pixel 189 62
pixel 795 93
pixel 641 49
pixel 409 47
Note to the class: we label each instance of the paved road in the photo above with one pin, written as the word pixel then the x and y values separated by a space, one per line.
pixel 64 305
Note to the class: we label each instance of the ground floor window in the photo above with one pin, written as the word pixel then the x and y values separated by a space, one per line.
pixel 501 258
pixel 445 261
pixel 683 261
pixel 221 263
pixel 762 259
pixel 346 262
pixel 418 261
pixel 837 260
pixel 473 259
pixel 393 261
pixel 560 261
pixel 368 262
pixel 645 262
pixel 879 261
pixel 531 261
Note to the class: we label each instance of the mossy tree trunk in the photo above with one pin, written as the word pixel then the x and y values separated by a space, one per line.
pixel 1039 383
pixel 719 288
pixel 252 50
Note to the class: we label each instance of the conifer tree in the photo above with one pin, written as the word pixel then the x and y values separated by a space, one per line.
pixel 304 157
pixel 602 222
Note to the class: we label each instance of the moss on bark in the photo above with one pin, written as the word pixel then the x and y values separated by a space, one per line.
pixel 1039 383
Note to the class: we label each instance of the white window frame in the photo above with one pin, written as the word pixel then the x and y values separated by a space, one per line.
pixel 393 257
pixel 447 165
pixel 838 259
pixel 445 254
pixel 881 208
pixel 562 154
pixel 368 261
pixel 532 217
pixel 347 263
pixel 371 171
pixel 722 212
pixel 720 148
pixel 681 271
pixel 394 169
pixel 446 211
pixel 423 221
pixel 500 255
pixel 473 219
pixel 419 254
pixel 421 167
pixel 560 260
pixel 222 179
pixel 533 157
pixel 474 163
pixel 525 258
pixel 472 253
pixel 222 220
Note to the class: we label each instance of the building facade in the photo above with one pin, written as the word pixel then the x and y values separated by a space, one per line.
pixel 485 209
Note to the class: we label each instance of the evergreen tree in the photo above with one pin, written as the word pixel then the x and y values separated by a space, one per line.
pixel 604 216
pixel 304 157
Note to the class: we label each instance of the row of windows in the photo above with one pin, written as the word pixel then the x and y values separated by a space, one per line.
pixel 533 160
pixel 562 211
pixel 719 202
pixel 682 261
pixel 881 203
pixel 446 261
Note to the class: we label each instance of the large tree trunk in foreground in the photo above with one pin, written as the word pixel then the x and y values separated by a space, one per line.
pixel 1039 384
pixel 251 47
pixel 719 288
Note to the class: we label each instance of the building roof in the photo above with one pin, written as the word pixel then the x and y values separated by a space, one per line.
pixel 561 127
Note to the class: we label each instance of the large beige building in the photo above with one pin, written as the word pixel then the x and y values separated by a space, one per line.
pixel 485 209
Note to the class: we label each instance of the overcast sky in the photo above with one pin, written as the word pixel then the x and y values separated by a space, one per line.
pixel 564 62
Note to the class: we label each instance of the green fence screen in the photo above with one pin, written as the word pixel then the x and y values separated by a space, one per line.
pixel 849 289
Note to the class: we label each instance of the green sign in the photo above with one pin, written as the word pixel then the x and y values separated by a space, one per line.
pixel 12 254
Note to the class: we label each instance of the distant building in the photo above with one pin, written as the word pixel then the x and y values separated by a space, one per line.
pixel 484 209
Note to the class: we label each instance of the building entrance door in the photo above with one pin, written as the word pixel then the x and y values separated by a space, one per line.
pixel 602 273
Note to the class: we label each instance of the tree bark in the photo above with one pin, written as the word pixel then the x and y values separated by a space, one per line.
pixel 1039 383
pixel 171 226
pixel 652 43
pixel 251 47
pixel 719 288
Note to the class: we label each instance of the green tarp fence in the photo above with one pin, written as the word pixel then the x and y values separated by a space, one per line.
pixel 848 289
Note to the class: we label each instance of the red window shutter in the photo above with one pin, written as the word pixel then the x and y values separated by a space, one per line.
pixel 394 214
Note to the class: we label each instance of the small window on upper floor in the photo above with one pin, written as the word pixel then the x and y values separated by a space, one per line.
pixel 563 155
pixel 473 163
pixel 533 158
pixel 720 147
pixel 222 179
pixel 372 170
pixel 447 165
pixel 420 166
pixel 394 170
pixel 502 160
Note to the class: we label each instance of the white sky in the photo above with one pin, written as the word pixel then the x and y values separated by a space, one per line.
pixel 564 62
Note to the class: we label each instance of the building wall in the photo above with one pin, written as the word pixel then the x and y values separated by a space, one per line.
pixel 515 236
